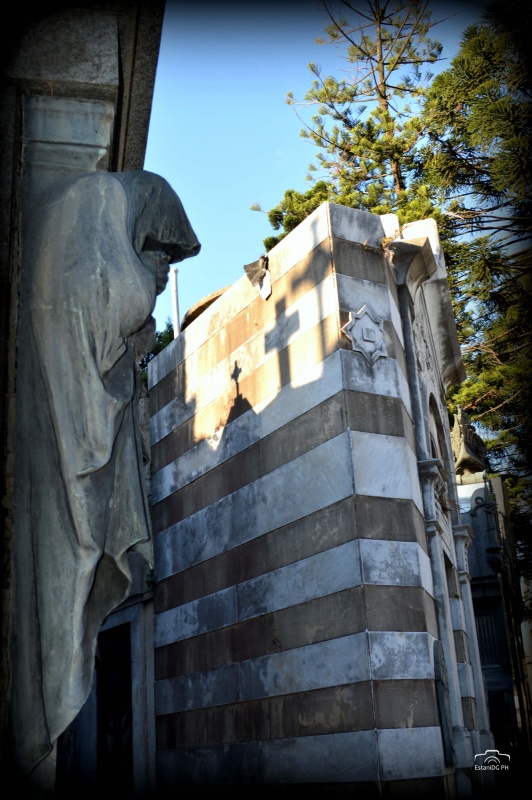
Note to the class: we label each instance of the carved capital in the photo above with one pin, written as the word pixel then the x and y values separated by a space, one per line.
pixel 433 479
pixel 463 539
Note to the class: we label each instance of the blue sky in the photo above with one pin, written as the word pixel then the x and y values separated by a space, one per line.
pixel 221 132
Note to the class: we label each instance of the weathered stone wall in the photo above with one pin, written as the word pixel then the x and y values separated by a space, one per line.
pixel 298 602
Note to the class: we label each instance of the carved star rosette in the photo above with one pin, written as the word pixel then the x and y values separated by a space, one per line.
pixel 366 334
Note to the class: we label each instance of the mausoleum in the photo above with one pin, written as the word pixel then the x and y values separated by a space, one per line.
pixel 313 619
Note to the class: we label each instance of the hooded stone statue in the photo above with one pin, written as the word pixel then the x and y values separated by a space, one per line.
pixel 95 256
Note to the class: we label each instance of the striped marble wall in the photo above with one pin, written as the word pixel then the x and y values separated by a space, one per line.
pixel 294 613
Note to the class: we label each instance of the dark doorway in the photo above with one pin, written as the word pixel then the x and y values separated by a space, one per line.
pixel 114 726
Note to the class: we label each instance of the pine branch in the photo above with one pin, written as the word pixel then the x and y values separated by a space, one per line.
pixel 501 405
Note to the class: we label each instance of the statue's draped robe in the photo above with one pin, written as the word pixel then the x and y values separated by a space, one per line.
pixel 80 497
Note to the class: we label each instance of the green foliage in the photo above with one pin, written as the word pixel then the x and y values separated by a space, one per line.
pixel 498 362
pixel 295 207
pixel 365 127
pixel 366 124
pixel 457 149
pixel 478 118
pixel 479 125
pixel 162 339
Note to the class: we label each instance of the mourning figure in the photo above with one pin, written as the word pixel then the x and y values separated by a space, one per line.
pixel 95 256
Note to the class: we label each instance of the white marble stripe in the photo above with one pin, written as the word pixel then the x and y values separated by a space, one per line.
pixel 314 480
pixel 204 385
pixel 319 575
pixel 395 563
pixel 329 758
pixel 385 466
pixel 409 753
pixel 306 391
pixel 345 223
pixel 335 662
pixel 384 377
pixel 353 293
pixel 316 576
pixel 296 246
pixel 401 655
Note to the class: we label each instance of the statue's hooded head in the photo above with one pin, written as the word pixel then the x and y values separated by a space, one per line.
pixel 157 224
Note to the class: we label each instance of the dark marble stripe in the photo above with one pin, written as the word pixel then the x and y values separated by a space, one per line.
pixel 389 519
pixel 377 608
pixel 326 528
pixel 336 709
pixel 330 710
pixel 319 425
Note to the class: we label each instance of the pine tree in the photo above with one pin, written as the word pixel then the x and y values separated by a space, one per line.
pixel 479 125
pixel 460 152
pixel 366 124
pixel 295 207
